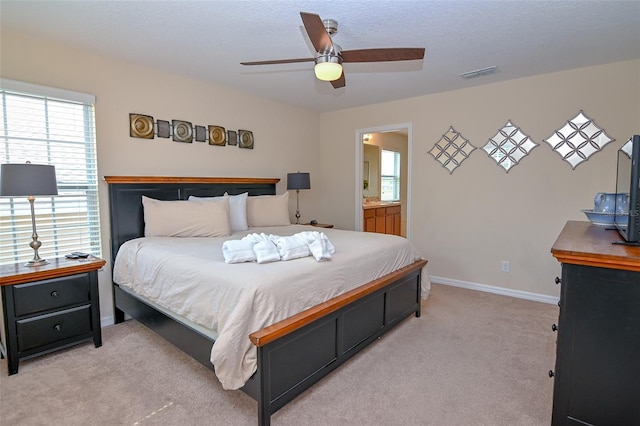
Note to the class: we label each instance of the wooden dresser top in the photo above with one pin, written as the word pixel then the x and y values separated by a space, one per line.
pixel 582 243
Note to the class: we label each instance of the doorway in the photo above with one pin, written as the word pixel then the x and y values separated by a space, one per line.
pixel 370 141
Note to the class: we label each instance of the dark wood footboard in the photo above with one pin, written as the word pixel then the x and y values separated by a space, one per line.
pixel 299 351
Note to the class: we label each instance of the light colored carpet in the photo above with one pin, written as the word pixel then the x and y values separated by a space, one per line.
pixel 471 359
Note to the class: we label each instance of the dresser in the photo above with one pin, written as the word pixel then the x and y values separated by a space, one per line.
pixel 597 372
pixel 48 307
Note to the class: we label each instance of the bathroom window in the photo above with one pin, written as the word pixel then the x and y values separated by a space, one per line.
pixel 390 176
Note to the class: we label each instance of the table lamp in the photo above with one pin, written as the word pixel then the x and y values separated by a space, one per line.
pixel 29 180
pixel 298 181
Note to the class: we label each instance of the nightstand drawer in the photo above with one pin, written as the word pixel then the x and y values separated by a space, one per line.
pixel 51 294
pixel 54 327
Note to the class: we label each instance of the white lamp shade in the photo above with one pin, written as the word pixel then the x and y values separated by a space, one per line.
pixel 328 71
pixel 18 180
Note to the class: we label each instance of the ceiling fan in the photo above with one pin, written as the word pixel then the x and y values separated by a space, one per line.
pixel 329 56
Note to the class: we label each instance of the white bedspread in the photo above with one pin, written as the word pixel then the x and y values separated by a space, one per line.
pixel 190 277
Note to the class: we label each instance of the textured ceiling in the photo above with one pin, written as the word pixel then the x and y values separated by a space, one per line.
pixel 207 40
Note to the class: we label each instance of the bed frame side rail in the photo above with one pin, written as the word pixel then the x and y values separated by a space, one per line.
pixel 190 341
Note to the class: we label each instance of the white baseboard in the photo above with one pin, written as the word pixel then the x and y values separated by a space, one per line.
pixel 107 321
pixel 497 290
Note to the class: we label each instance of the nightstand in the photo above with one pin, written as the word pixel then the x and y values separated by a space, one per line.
pixel 49 307
pixel 320 225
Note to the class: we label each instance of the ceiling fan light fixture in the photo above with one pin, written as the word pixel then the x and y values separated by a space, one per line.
pixel 330 56
pixel 328 68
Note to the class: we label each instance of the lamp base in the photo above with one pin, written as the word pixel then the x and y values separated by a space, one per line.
pixel 297 207
pixel 34 244
pixel 38 262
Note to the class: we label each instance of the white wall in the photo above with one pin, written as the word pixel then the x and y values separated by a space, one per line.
pixel 468 222
pixel 123 88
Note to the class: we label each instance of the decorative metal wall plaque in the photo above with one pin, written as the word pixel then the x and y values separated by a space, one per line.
pixel 141 126
pixel 509 146
pixel 232 137
pixel 182 131
pixel 201 134
pixel 217 136
pixel 451 150
pixel 578 140
pixel 245 138
pixel 164 128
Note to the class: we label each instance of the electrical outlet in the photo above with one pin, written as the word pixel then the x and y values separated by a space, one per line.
pixel 505 266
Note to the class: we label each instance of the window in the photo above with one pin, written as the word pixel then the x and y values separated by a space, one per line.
pixel 57 127
pixel 390 176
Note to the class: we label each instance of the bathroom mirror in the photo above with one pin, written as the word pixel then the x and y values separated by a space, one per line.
pixel 371 171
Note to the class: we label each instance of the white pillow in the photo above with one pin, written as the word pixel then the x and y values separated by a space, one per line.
pixel 268 210
pixel 237 209
pixel 185 218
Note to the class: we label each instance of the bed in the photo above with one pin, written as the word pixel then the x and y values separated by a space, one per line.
pixel 296 348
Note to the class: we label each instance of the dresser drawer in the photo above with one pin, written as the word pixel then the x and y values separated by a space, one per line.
pixel 51 294
pixel 50 328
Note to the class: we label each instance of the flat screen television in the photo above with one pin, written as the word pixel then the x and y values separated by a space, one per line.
pixel 627 212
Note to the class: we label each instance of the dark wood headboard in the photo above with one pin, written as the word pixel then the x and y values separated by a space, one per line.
pixel 125 197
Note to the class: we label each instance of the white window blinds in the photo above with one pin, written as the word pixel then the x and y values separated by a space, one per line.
pixel 56 127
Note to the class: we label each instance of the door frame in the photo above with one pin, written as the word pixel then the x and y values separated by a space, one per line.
pixel 359 217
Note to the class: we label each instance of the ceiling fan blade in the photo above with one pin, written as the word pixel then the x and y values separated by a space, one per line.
pixel 340 82
pixel 383 55
pixel 279 61
pixel 317 33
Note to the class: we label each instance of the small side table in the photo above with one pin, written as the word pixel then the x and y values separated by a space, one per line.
pixel 320 225
pixel 49 307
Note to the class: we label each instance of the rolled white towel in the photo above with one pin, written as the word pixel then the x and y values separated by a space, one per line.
pixel 264 249
pixel 319 244
pixel 238 251
pixel 292 247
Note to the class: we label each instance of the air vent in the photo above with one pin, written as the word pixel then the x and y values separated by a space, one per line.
pixel 478 73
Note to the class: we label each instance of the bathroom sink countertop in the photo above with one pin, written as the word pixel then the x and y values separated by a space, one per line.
pixel 375 204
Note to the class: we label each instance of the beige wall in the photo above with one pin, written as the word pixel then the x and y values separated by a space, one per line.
pixel 286 139
pixel 468 222
pixel 465 223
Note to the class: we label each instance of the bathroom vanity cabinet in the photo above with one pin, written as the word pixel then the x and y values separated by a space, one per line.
pixel 383 218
